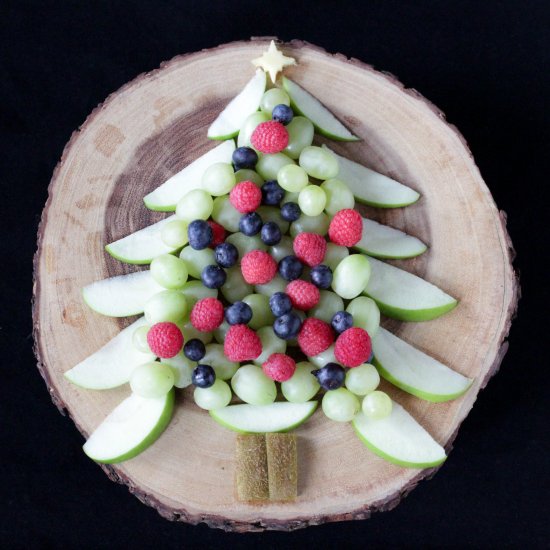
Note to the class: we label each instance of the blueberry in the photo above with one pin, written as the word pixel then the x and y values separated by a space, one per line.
pixel 330 377
pixel 194 349
pixel 238 313
pixel 213 276
pixel 250 224
pixel 280 304
pixel 199 234
pixel 244 157
pixel 282 113
pixel 272 193
pixel 287 326
pixel 290 268
pixel 226 254
pixel 203 376
pixel 290 211
pixel 341 321
pixel 371 357
pixel 321 276
pixel 271 233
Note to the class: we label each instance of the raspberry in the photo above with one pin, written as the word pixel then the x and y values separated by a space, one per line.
pixel 315 336
pixel 207 314
pixel 258 267
pixel 218 234
pixel 353 347
pixel 242 344
pixel 310 248
pixel 279 367
pixel 165 339
pixel 346 228
pixel 302 294
pixel 245 197
pixel 269 137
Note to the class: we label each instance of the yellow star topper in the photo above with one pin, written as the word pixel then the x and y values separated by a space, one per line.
pixel 273 61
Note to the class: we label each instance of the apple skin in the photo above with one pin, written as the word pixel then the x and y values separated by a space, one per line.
pixel 159 207
pixel 413 315
pixel 385 204
pixel 419 252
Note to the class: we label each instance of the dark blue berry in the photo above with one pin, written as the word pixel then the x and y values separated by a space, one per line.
pixel 194 349
pixel 321 276
pixel 250 224
pixel 280 304
pixel 271 233
pixel 213 276
pixel 371 357
pixel 226 254
pixel 287 326
pixel 330 377
pixel 203 376
pixel 199 234
pixel 272 193
pixel 341 321
pixel 290 268
pixel 282 113
pixel 290 211
pixel 238 313
pixel 244 157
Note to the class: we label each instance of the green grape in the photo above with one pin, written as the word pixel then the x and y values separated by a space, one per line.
pixel 377 405
pixel 268 166
pixel 277 284
pixel 152 380
pixel 139 339
pixel 318 163
pixel 310 224
pixel 174 234
pixel 253 386
pixel 366 314
pixel 249 126
pixel 340 405
pixel 282 249
pixel 302 386
pixel 363 379
pixel 335 254
pixel 169 271
pixel 338 195
pixel 195 291
pixel 195 205
pixel 221 331
pixel 235 287
pixel 189 332
pixel 351 276
pixel 273 214
pixel 312 200
pixel 218 179
pixel 292 178
pixel 168 305
pixel 215 357
pixel 261 312
pixel 271 343
pixel 290 197
pixel 324 357
pixel 300 135
pixel 245 244
pixel 218 395
pixel 244 174
pixel 272 98
pixel 329 303
pixel 182 369
pixel 197 260
pixel 226 214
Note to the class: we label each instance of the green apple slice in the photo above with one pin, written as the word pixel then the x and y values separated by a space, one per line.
pixel 123 295
pixel 370 187
pixel 112 365
pixel 165 197
pixel 281 416
pixel 130 428
pixel 415 372
pixel 404 296
pixel 324 121
pixel 230 120
pixel 382 241
pixel 399 439
pixel 142 246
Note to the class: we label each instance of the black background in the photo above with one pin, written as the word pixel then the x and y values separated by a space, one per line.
pixel 485 64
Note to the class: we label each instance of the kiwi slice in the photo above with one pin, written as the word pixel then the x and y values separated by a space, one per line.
pixel 282 466
pixel 251 468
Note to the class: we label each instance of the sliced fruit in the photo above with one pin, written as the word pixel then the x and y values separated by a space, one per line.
pixel 112 365
pixel 324 121
pixel 165 197
pixel 404 296
pixel 415 372
pixel 231 119
pixel 382 241
pixel 399 439
pixel 132 427
pixel 372 188
pixel 281 416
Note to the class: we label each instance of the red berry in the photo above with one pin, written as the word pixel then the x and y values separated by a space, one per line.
pixel 258 267
pixel 279 367
pixel 353 347
pixel 165 339
pixel 207 314
pixel 346 228
pixel 218 233
pixel 245 196
pixel 269 137
pixel 242 344
pixel 315 336
pixel 310 248
pixel 302 294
